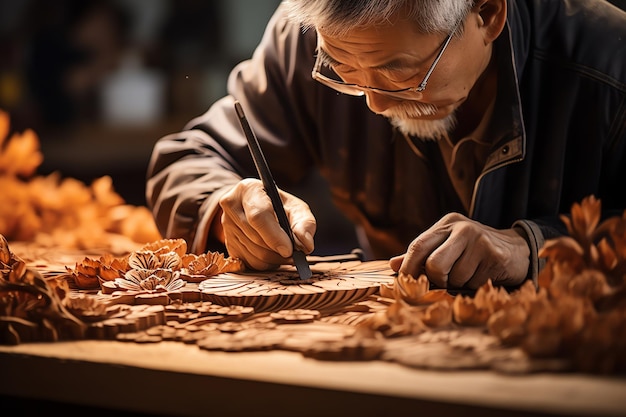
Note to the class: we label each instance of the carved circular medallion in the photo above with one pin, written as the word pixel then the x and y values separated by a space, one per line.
pixel 333 285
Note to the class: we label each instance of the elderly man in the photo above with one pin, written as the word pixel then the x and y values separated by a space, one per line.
pixel 452 133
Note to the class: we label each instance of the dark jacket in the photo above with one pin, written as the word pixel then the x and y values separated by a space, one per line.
pixel 560 138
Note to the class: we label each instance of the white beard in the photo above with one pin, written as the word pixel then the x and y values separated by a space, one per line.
pixel 425 129
pixel 406 117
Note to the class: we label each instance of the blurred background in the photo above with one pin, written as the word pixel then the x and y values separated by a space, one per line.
pixel 100 81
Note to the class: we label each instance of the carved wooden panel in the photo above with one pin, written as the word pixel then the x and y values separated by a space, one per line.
pixel 575 320
pixel 332 286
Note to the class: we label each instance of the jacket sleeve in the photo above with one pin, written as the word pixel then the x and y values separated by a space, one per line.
pixel 190 170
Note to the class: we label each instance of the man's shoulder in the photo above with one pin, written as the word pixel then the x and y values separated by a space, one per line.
pixel 587 34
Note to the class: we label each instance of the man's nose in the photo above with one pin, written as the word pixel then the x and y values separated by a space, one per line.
pixel 378 103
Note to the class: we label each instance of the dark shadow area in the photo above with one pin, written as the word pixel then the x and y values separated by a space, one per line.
pixel 27 407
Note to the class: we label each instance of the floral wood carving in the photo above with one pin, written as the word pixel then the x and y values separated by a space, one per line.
pixel 575 318
pixel 158 268
pixel 580 310
pixel 31 308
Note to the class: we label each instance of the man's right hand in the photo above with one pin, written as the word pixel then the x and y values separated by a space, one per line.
pixel 251 229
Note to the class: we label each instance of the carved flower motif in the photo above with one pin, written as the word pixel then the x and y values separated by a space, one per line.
pixel 167 245
pixel 90 272
pixel 475 311
pixel 590 245
pixel 438 314
pixel 200 267
pixel 410 289
pixel 582 298
pixel 145 259
pixel 157 280
pixel 414 291
pixel 467 313
pixel 154 268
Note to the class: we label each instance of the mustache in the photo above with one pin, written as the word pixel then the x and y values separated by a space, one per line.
pixel 410 110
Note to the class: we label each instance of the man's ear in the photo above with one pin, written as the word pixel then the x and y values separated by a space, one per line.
pixel 492 17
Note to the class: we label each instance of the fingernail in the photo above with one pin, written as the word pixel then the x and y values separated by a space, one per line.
pixel 284 251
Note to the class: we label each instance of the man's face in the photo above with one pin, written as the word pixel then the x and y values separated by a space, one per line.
pixel 396 56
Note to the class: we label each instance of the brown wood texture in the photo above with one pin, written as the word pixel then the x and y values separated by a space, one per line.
pixel 350 340
pixel 347 311
pixel 332 286
pixel 327 317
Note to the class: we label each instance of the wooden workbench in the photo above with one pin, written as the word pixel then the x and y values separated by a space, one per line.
pixel 171 378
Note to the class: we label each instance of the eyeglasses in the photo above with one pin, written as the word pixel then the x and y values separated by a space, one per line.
pixel 359 90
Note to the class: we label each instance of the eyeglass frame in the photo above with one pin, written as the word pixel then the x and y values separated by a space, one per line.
pixel 359 90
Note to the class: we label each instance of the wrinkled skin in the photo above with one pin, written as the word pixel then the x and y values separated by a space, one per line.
pixel 252 232
pixel 459 252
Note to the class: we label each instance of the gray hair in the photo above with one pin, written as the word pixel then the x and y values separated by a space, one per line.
pixel 337 17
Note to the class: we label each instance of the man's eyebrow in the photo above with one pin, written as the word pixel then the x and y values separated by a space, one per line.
pixel 326 59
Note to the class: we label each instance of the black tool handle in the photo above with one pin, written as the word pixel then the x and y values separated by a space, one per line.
pixel 263 169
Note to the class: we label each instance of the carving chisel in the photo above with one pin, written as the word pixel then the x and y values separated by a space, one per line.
pixel 299 258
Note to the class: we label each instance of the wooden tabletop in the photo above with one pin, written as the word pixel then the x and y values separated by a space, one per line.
pixel 172 378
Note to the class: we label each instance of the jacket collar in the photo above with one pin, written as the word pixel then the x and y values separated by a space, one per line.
pixel 507 124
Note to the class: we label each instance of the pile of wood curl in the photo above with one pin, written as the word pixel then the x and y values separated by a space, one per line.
pixel 576 311
pixel 53 211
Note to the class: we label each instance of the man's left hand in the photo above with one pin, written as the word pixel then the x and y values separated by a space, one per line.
pixel 459 252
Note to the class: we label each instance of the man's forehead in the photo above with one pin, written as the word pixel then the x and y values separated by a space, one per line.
pixel 395 29
pixel 379 42
pixel 349 45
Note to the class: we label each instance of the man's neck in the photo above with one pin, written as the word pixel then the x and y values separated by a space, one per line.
pixel 471 113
